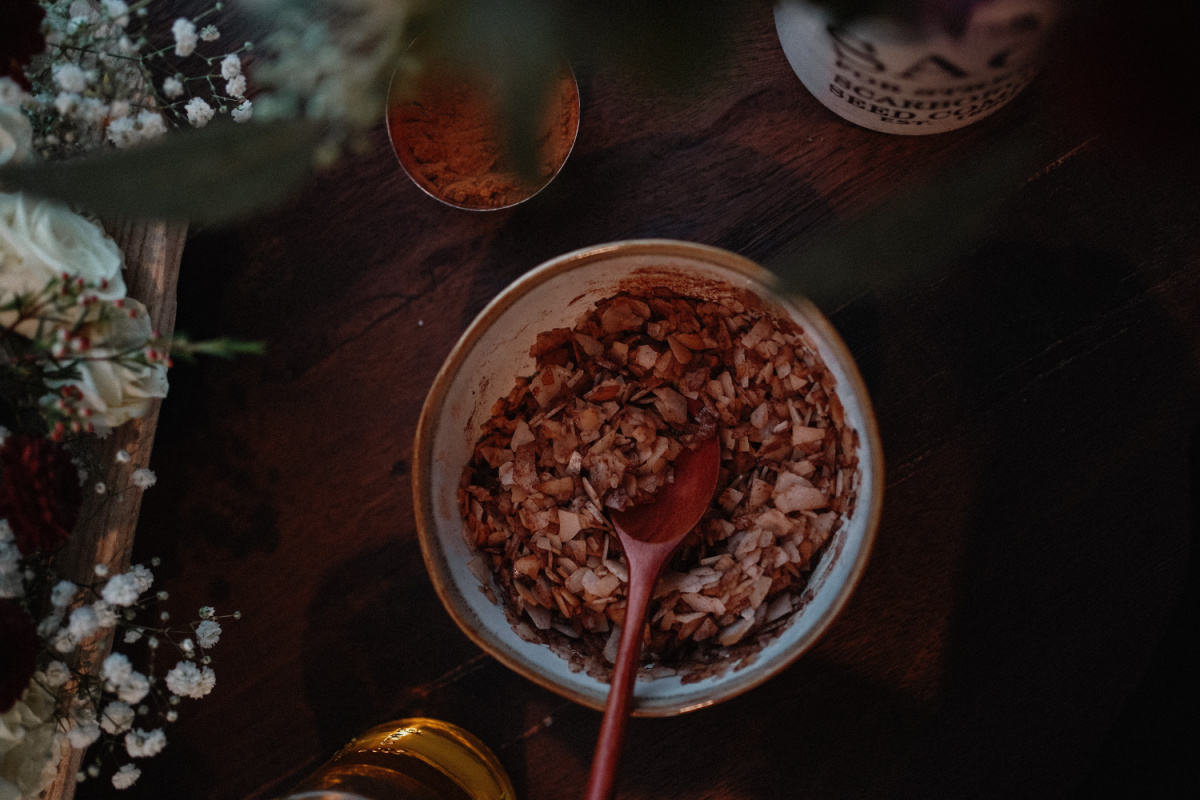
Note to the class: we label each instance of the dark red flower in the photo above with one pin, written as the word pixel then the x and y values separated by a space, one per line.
pixel 39 492
pixel 18 655
pixel 20 37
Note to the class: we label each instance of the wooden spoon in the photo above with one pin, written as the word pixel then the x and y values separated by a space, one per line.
pixel 649 533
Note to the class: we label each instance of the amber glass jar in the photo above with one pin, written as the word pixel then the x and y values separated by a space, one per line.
pixel 410 759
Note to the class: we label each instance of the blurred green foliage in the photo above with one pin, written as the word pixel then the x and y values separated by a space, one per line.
pixel 226 171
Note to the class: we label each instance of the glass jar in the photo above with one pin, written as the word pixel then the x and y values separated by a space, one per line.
pixel 410 759
pixel 916 77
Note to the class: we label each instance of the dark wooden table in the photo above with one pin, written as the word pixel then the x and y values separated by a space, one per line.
pixel 1027 625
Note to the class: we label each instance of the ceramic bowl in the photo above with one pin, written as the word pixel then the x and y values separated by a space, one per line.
pixel 481 369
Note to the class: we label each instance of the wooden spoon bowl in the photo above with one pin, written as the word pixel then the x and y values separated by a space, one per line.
pixel 649 534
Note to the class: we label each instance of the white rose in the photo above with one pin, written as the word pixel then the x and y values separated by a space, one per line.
pixel 42 239
pixel 29 747
pixel 16 135
pixel 118 392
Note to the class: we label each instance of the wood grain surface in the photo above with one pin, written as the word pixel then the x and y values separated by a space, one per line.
pixel 1026 626
pixel 108 522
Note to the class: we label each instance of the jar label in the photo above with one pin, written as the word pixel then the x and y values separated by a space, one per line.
pixel 889 77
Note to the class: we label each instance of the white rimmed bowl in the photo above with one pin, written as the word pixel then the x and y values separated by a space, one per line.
pixel 482 368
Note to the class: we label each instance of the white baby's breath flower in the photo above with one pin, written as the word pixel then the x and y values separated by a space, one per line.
pixel 209 33
pixel 12 583
pixel 106 615
pixel 117 11
pixel 82 623
pixel 243 112
pixel 117 717
pixel 187 680
pixel 132 635
pixel 126 776
pixel 83 735
pixel 70 78
pixel 231 66
pixel 67 103
pixel 198 112
pixel 143 576
pixel 16 133
pixel 236 86
pixel 120 132
pixel 115 670
pixel 208 680
pixel 184 31
pixel 62 594
pixel 93 110
pixel 62 641
pixel 144 478
pixel 145 744
pixel 172 87
pixel 83 10
pixel 121 590
pixel 135 688
pixel 128 131
pixel 207 633
pixel 57 673
pixel 49 625
pixel 151 124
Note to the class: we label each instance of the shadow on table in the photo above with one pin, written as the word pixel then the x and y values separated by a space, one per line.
pixel 376 635
pixel 1070 420
pixel 1079 396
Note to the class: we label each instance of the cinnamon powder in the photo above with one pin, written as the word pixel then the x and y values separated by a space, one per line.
pixel 450 139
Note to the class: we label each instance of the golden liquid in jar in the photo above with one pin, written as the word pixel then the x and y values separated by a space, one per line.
pixel 412 759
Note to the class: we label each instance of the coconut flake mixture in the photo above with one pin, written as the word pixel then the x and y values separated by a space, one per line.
pixel 598 425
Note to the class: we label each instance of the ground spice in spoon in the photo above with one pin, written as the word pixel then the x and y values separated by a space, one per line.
pixel 450 140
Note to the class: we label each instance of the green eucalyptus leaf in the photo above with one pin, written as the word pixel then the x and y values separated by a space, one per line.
pixel 182 347
pixel 209 175
pixel 912 233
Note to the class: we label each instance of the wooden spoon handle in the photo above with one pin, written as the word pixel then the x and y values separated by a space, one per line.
pixel 602 782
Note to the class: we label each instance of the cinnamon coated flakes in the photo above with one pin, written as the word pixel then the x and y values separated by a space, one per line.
pixel 598 426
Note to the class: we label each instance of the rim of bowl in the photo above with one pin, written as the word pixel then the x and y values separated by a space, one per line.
pixel 871 448
pixel 428 189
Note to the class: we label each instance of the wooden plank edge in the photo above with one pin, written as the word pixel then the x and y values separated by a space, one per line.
pixel 107 523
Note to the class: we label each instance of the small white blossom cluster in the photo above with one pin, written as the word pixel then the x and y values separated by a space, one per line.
pixel 89 84
pixel 330 61
pixel 71 620
pixel 12 583
pixel 99 81
pixel 102 80
pixel 64 708
pixel 109 705
pixel 229 98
